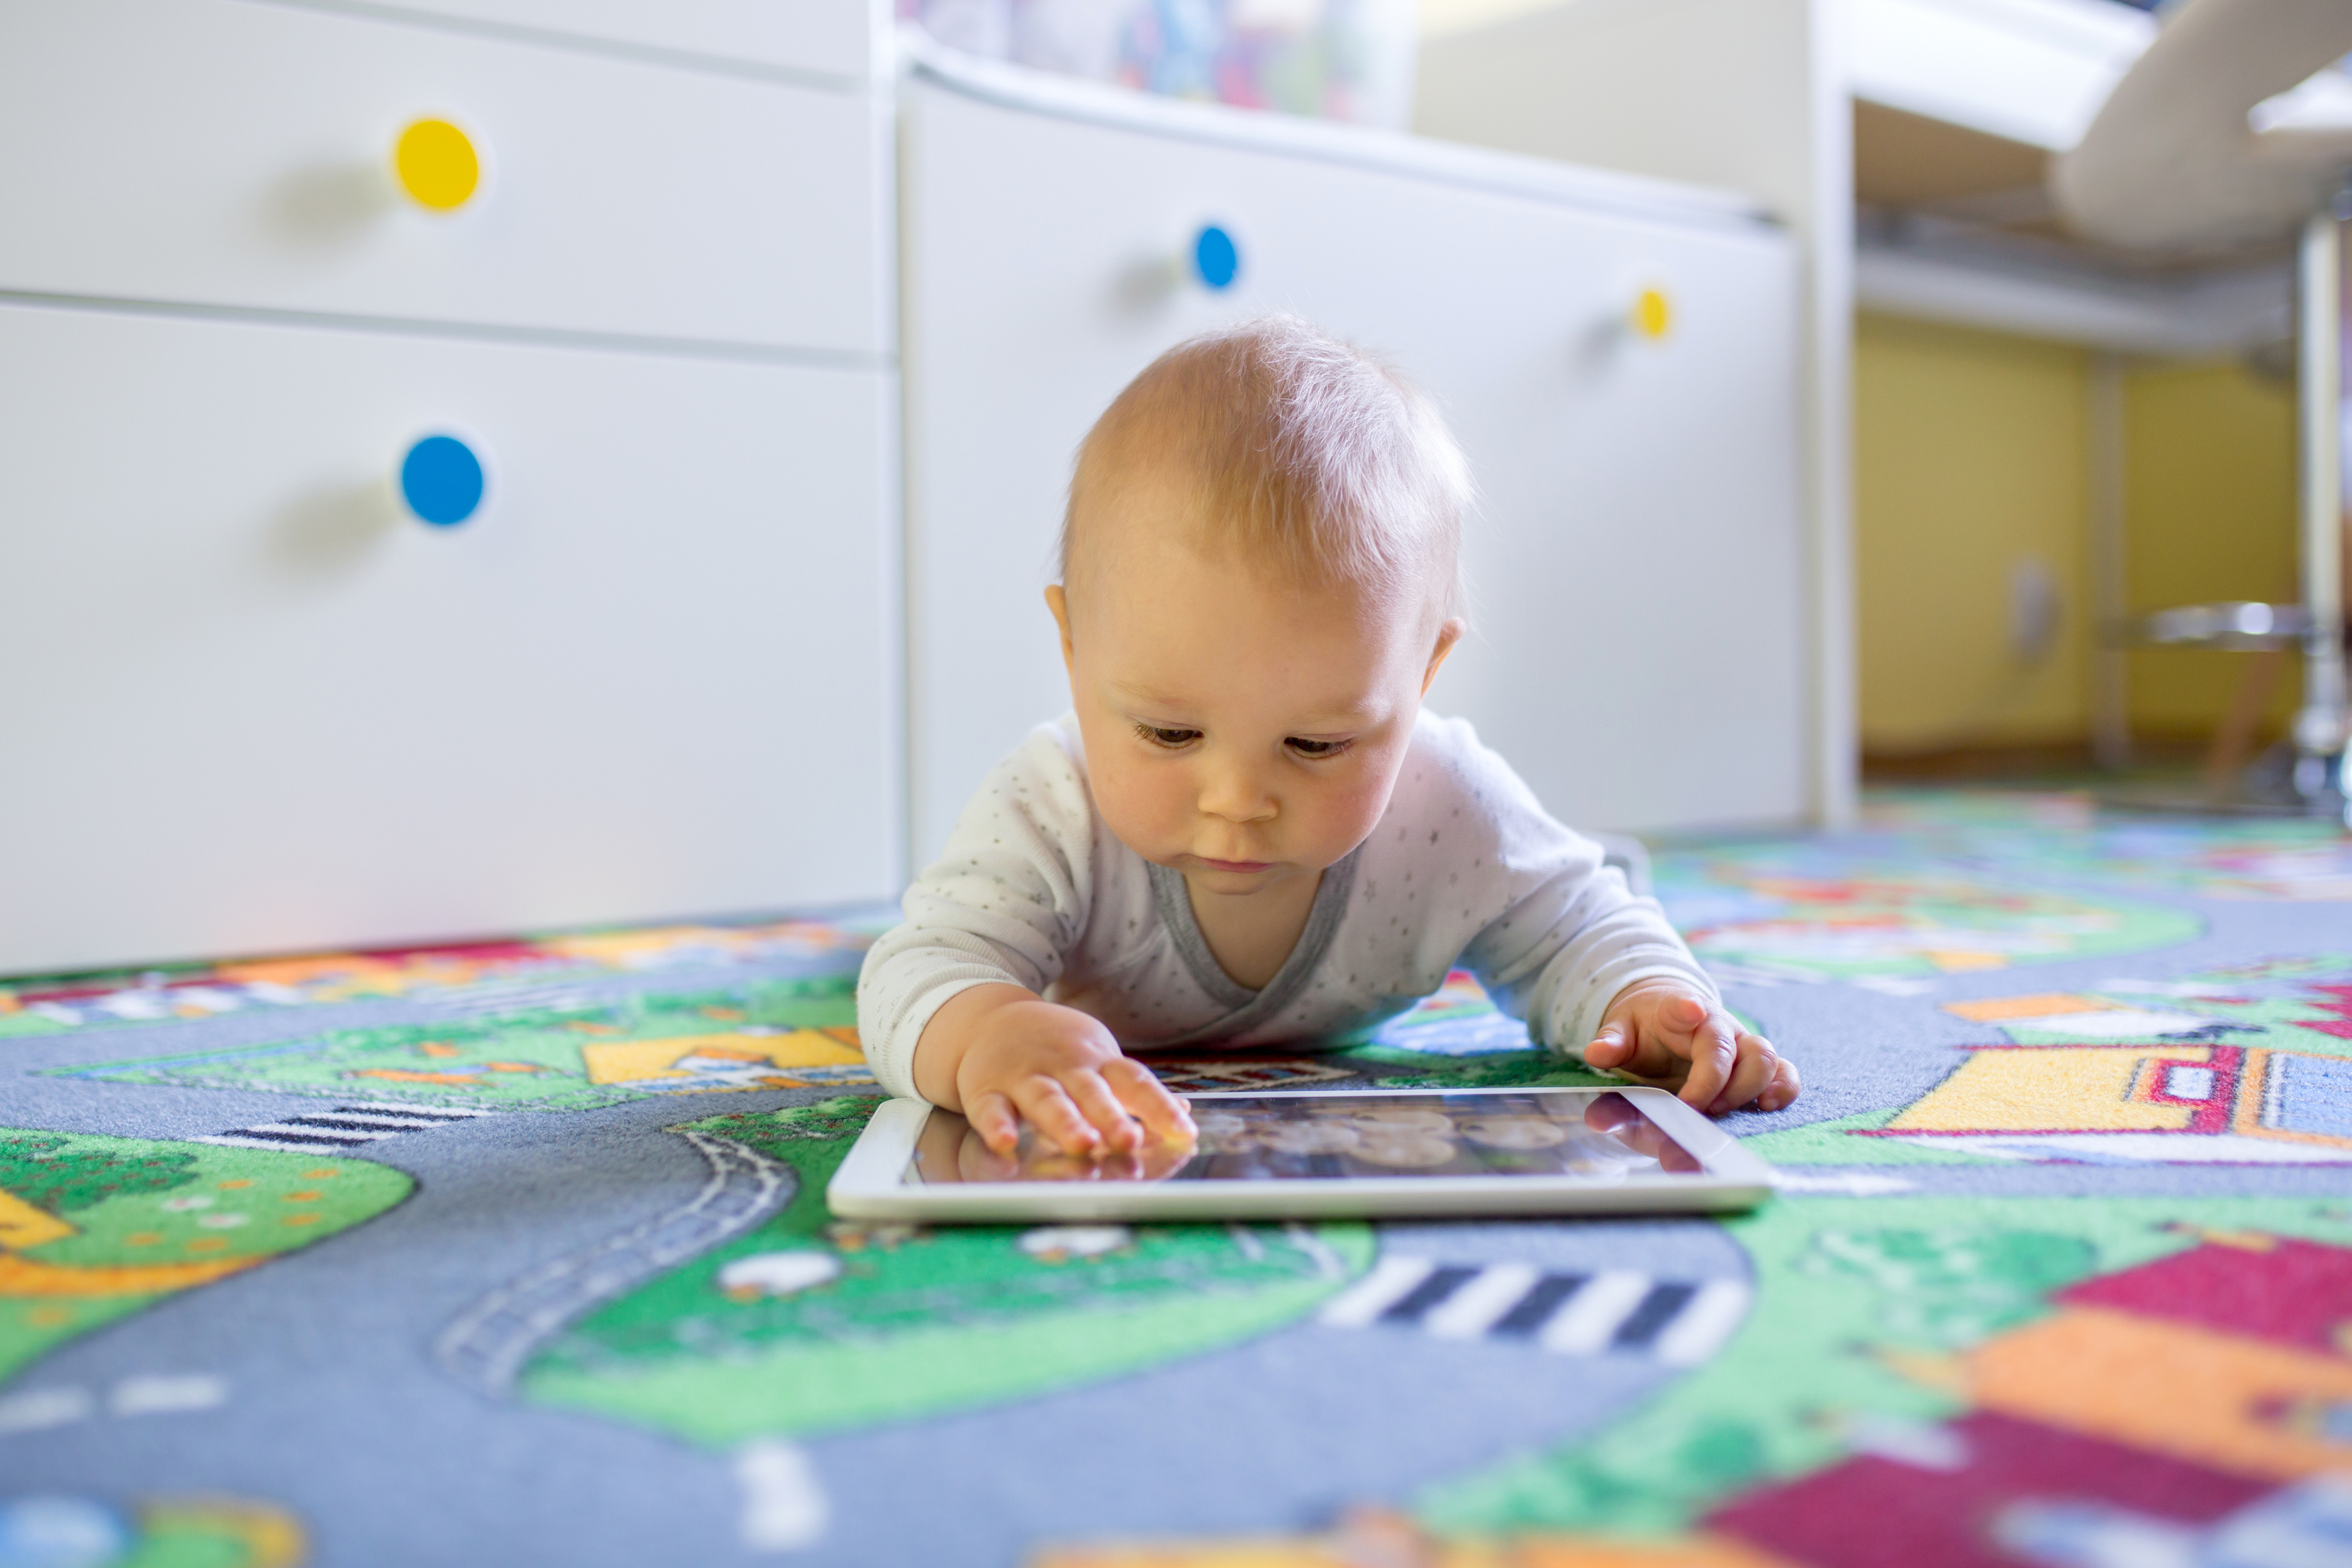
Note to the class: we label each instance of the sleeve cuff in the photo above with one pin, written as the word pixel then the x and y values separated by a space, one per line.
pixel 893 1062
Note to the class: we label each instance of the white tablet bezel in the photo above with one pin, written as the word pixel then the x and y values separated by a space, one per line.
pixel 867 1186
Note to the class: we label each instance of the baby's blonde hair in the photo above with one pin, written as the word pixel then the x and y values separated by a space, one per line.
pixel 1304 452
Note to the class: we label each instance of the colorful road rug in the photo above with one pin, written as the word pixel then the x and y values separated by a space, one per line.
pixel 516 1253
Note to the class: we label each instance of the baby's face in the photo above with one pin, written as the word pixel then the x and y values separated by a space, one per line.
pixel 1238 729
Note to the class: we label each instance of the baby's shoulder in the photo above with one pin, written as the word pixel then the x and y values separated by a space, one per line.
pixel 1034 804
pixel 1458 803
pixel 1449 773
pixel 1044 779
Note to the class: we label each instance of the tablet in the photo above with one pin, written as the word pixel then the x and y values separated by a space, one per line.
pixel 1298 1155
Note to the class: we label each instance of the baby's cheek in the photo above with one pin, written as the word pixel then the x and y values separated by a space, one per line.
pixel 1342 814
pixel 1147 809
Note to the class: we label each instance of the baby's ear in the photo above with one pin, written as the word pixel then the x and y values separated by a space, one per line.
pixel 1448 634
pixel 1059 603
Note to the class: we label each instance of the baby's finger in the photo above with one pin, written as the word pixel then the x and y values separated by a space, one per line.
pixel 1648 1056
pixel 1749 1076
pixel 1168 1118
pixel 1049 1110
pixel 1099 1106
pixel 992 1116
pixel 1668 1039
pixel 1714 1053
pixel 1609 1048
pixel 1681 1018
pixel 1782 1091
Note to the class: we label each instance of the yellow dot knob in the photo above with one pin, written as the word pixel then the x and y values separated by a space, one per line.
pixel 437 164
pixel 1654 314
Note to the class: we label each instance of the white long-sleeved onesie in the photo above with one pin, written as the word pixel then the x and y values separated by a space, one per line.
pixel 1464 867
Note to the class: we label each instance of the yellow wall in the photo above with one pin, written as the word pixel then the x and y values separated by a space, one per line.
pixel 1970 452
pixel 1969 455
pixel 2209 487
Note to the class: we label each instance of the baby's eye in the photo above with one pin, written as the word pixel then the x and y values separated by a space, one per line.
pixel 1168 738
pixel 1307 747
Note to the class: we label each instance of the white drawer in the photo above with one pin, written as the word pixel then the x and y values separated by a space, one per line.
pixel 1616 474
pixel 254 705
pixel 834 38
pixel 230 152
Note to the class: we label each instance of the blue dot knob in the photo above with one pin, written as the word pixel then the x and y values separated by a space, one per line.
pixel 1215 258
pixel 441 481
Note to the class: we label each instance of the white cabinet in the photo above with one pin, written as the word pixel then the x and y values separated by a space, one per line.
pixel 1636 563
pixel 254 705
pixel 652 670
pixel 664 668
pixel 819 37
pixel 226 152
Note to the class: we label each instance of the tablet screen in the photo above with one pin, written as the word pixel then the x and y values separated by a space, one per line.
pixel 1596 1134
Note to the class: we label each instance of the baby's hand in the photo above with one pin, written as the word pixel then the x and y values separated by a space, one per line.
pixel 1657 1033
pixel 1061 1071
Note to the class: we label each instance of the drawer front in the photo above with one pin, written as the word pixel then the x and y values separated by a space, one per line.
pixel 833 37
pixel 228 152
pixel 256 704
pixel 1617 473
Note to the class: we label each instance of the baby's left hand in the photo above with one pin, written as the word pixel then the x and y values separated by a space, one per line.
pixel 1656 1033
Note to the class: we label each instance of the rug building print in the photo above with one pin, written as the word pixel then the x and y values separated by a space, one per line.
pixel 2059 1272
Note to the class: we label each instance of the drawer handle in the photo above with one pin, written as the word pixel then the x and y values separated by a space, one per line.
pixel 1653 315
pixel 1216 260
pixel 441 481
pixel 437 165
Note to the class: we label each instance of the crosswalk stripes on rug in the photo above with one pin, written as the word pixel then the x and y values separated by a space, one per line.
pixel 1678 1322
pixel 509 996
pixel 346 1127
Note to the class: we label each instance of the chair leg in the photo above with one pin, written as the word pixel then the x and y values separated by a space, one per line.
pixel 2319 727
pixel 2234 739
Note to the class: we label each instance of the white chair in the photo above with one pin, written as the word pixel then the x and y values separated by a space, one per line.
pixel 2216 140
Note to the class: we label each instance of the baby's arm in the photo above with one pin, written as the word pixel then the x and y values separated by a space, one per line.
pixel 1001 1053
pixel 949 1005
pixel 1591 966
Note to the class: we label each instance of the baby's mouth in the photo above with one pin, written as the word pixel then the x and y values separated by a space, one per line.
pixel 1242 867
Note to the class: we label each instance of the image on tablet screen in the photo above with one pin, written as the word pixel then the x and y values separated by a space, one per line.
pixel 1599 1136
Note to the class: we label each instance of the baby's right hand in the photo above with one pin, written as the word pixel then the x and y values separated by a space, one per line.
pixel 1061 1071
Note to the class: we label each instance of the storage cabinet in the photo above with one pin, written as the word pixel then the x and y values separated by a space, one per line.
pixel 399 548
pixel 225 152
pixel 450 453
pixel 1618 358
pixel 252 700
pixel 819 37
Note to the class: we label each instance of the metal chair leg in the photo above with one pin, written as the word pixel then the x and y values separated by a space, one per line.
pixel 2320 727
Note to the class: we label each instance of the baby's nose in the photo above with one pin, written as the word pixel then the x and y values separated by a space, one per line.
pixel 1238 798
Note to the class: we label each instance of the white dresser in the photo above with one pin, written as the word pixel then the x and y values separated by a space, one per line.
pixel 447 469
pixel 1619 357
pixel 449 455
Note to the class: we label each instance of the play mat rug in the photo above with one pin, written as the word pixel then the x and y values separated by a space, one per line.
pixel 516 1253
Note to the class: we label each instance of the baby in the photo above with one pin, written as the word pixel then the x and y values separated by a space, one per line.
pixel 1248 831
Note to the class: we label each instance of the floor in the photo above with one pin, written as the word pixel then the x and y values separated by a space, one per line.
pixel 516 1253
